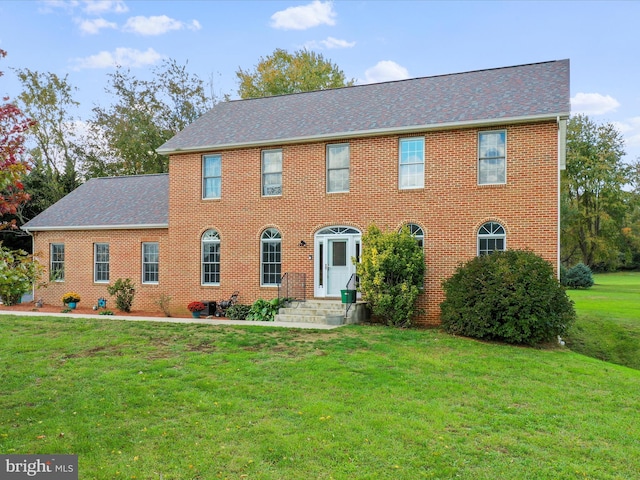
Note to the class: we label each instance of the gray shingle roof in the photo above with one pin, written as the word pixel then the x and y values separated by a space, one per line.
pixel 539 90
pixel 140 201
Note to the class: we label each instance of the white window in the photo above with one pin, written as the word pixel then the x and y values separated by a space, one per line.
pixel 150 262
pixel 411 168
pixel 338 168
pixel 492 164
pixel 211 176
pixel 100 262
pixel 491 238
pixel 56 266
pixel 211 258
pixel 417 233
pixel 270 257
pixel 271 172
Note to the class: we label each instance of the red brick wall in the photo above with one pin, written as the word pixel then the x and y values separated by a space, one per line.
pixel 450 209
pixel 125 261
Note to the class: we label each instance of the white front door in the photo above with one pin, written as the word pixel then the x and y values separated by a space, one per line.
pixel 334 249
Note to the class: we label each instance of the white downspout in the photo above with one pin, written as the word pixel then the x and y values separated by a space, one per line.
pixel 562 165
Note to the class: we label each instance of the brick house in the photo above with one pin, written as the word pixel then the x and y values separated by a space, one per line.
pixel 280 185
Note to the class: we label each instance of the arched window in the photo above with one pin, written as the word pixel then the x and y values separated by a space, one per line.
pixel 491 238
pixel 417 233
pixel 211 258
pixel 270 257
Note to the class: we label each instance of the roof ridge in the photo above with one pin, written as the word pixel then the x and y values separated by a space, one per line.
pixel 423 77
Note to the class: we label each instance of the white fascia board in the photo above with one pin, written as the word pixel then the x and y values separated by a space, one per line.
pixel 371 133
pixel 95 227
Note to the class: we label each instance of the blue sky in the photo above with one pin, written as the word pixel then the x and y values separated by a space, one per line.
pixel 370 41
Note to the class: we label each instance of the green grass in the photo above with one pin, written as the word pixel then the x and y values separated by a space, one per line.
pixel 608 324
pixel 147 400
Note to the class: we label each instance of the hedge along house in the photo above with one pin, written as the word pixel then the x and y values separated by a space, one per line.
pixel 282 187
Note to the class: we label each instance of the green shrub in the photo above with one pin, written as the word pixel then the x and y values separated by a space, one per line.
pixel 579 276
pixel 391 275
pixel 512 296
pixel 238 311
pixel 19 271
pixel 124 290
pixel 265 310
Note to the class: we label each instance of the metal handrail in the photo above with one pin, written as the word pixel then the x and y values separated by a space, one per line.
pixel 293 286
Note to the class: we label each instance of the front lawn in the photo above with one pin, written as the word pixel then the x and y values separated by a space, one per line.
pixel 608 323
pixel 144 400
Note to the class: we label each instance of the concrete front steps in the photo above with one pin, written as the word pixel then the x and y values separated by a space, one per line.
pixel 325 312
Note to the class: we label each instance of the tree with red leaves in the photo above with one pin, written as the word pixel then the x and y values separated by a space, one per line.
pixel 13 125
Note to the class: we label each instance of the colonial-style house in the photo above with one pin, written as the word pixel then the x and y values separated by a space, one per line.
pixel 284 187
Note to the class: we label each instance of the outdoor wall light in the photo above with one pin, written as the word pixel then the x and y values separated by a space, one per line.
pixel 302 243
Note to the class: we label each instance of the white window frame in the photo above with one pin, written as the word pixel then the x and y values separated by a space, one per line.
pixel 210 238
pixel 270 237
pixel 56 262
pixel 410 163
pixel 491 231
pixel 416 232
pixel 206 193
pixel 332 169
pixel 496 157
pixel 150 263
pixel 101 261
pixel 271 189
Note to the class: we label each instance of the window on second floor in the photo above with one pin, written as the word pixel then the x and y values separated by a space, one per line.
pixel 492 165
pixel 56 267
pixel 338 168
pixel 211 176
pixel 491 238
pixel 271 173
pixel 411 167
pixel 150 262
pixel 100 262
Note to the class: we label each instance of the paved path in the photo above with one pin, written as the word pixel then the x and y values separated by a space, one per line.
pixel 207 321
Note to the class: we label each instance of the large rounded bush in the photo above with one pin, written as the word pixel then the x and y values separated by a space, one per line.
pixel 512 296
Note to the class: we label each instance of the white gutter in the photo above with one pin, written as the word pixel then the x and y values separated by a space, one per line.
pixel 369 133
pixel 95 227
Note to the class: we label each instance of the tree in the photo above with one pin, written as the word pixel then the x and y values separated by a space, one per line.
pixel 391 274
pixel 593 203
pixel 124 137
pixel 13 126
pixel 53 141
pixel 282 73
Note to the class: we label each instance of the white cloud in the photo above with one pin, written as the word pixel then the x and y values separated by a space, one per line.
pixel 630 128
pixel 593 104
pixel 330 42
pixel 385 71
pixel 123 57
pixel 98 7
pixel 304 16
pixel 91 27
pixel 156 25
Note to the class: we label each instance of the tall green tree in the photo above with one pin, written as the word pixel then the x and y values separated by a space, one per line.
pixel 594 202
pixel 283 72
pixel 53 142
pixel 146 113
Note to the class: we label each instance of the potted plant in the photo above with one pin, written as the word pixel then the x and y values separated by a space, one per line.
pixel 71 299
pixel 196 308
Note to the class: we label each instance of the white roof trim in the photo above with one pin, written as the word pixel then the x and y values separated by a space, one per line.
pixel 373 132
pixel 96 227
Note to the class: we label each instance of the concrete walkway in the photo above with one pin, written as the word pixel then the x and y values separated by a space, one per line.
pixel 203 320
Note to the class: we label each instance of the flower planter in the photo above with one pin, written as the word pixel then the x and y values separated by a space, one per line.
pixel 72 305
pixel 195 314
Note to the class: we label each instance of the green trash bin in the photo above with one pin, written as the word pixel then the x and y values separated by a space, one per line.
pixel 348 296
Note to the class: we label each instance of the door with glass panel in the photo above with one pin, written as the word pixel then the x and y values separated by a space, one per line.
pixel 335 247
